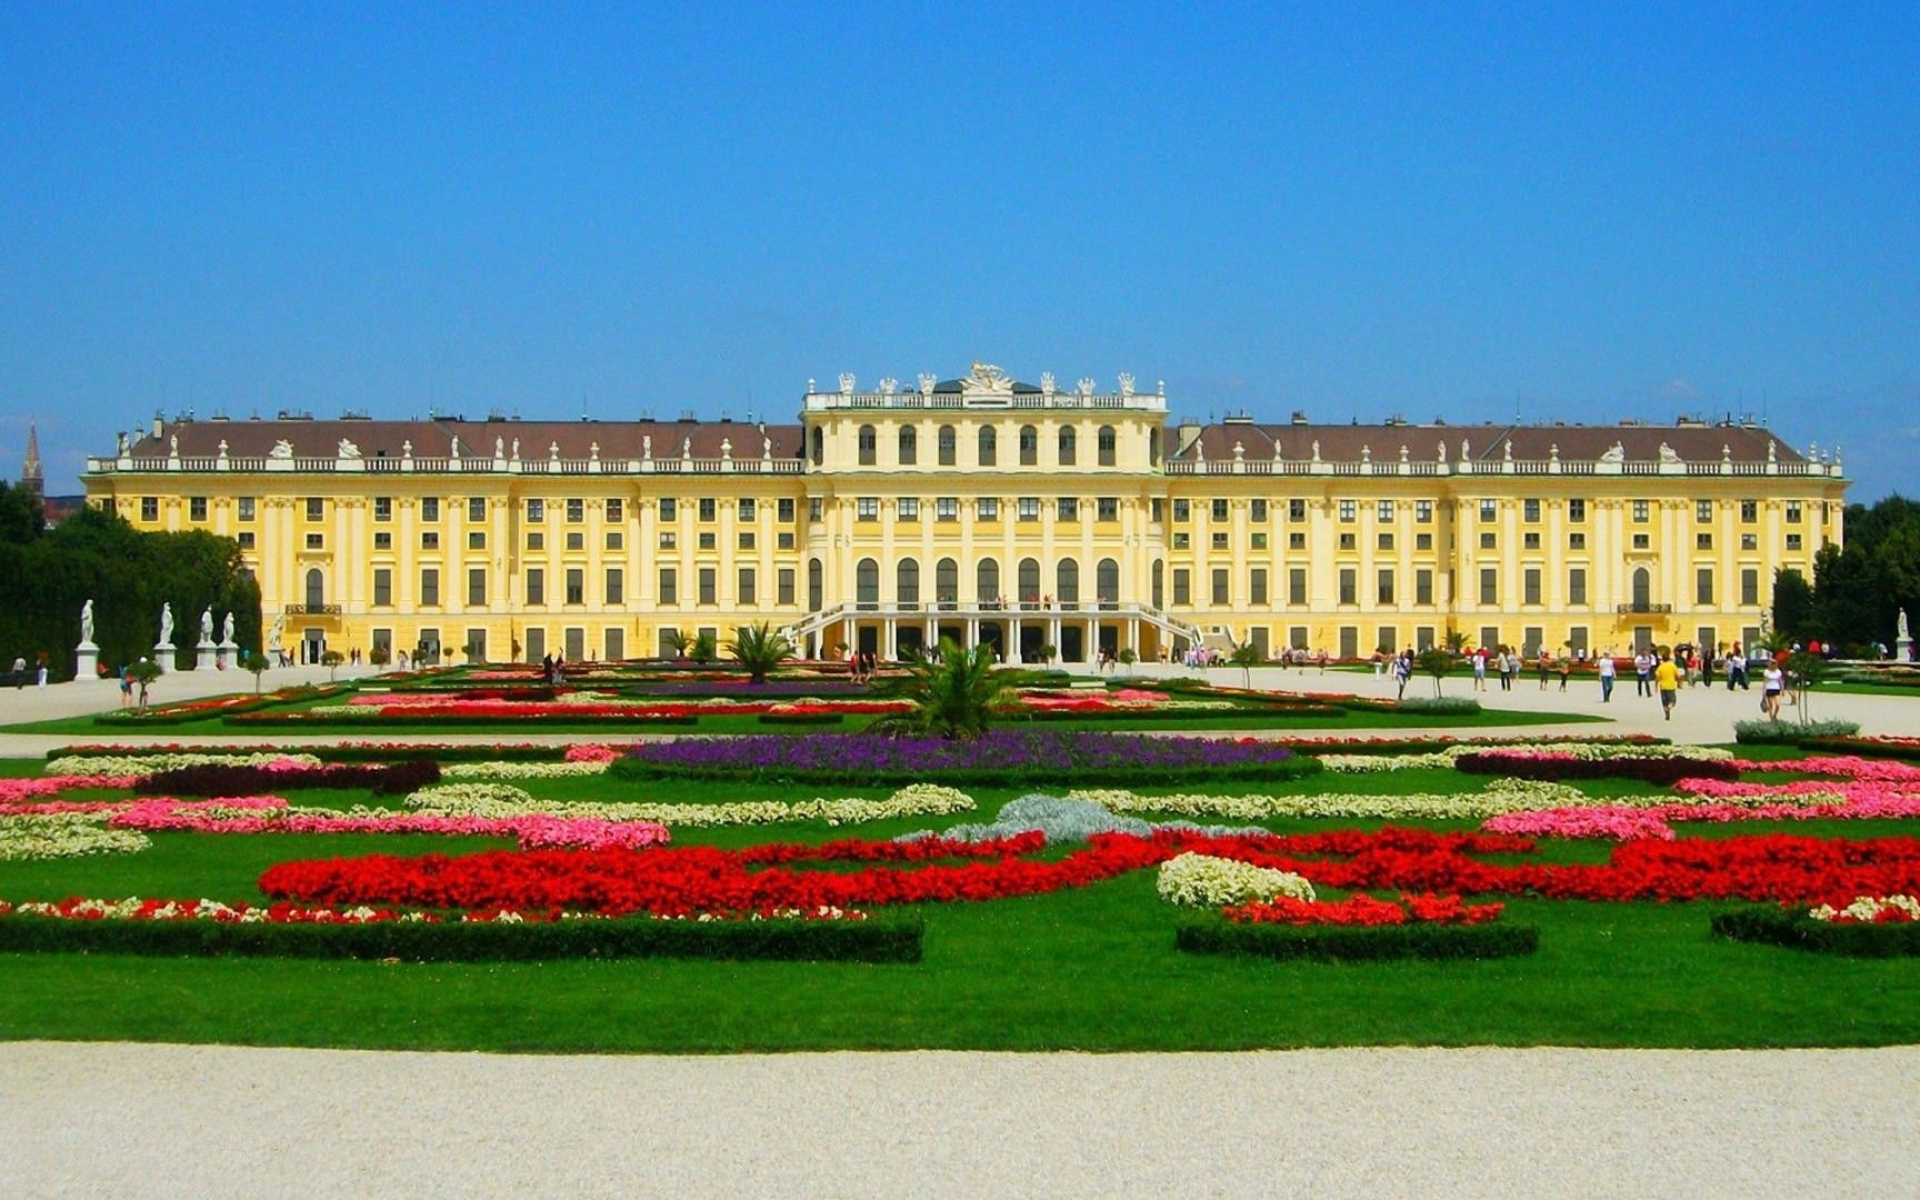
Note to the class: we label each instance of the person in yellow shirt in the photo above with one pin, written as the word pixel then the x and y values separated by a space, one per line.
pixel 1666 677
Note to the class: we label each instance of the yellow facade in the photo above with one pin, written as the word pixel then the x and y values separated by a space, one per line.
pixel 985 510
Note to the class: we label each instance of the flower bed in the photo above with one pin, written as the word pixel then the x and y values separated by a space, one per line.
pixel 26 836
pixel 313 755
pixel 134 765
pixel 1877 747
pixel 1553 766
pixel 1001 757
pixel 271 814
pixel 1798 929
pixel 1209 881
pixel 1432 745
pixel 1497 796
pixel 221 779
pixel 200 928
pixel 915 800
pixel 1363 910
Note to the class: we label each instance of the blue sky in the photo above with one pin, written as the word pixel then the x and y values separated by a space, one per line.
pixel 1463 209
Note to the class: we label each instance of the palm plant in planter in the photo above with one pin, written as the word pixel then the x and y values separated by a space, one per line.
pixel 956 693
pixel 759 650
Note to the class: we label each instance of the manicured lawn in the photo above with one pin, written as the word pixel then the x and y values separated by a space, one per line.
pixel 1091 969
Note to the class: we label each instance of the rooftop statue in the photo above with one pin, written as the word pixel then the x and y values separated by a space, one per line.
pixel 281 449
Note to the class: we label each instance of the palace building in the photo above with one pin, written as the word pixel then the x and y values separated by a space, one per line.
pixel 1028 517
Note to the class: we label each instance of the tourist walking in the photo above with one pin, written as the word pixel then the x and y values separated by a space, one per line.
pixel 1606 678
pixel 1480 669
pixel 1403 671
pixel 1545 665
pixel 19 671
pixel 1566 670
pixel 1737 669
pixel 1773 681
pixel 1642 673
pixel 1666 677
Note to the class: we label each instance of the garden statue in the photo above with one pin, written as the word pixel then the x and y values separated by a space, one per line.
pixel 271 644
pixel 226 631
pixel 206 624
pixel 1900 627
pixel 166 624
pixel 86 623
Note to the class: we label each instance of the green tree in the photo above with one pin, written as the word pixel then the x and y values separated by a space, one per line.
pixel 956 693
pixel 331 660
pixel 759 650
pixel 257 663
pixel 1437 663
pixel 143 673
pixel 1805 672
pixel 1246 658
pixel 1128 657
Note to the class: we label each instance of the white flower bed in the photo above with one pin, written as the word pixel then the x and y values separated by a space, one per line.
pixel 1591 751
pixel 505 800
pixel 1497 796
pixel 123 766
pixel 1206 881
pixel 64 835
pixel 522 770
pixel 1867 909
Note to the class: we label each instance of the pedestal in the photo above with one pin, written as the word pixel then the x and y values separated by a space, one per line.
pixel 163 657
pixel 228 655
pixel 86 661
pixel 203 653
pixel 1903 649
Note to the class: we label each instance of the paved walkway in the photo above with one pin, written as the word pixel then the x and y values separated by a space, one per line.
pixel 212 1122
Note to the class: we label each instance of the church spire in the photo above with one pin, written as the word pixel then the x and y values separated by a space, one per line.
pixel 32 478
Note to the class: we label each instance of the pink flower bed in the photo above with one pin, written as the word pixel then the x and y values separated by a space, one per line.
pixel 21 791
pixel 534 831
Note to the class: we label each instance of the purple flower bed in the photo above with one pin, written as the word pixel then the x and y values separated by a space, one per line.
pixel 1002 757
pixel 743 690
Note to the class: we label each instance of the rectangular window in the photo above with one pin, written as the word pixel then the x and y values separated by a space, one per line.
pixel 316 541
pixel 1793 541
pixel 1181 512
pixel 382 587
pixel 1383 510
pixel 670 509
pixel 745 595
pixel 1029 508
pixel 1156 510
pixel 1182 586
pixel 1383 587
pixel 1182 539
pixel 1349 541
pixel 1066 508
pixel 1749 541
pixel 429 508
pixel 1749 511
pixel 1489 585
pixel 576 512
pixel 1296 585
pixel 383 508
pixel 1423 541
pixel 747 510
pixel 1257 511
pixel 946 508
pixel 1259 541
pixel 536 511
pixel 383 540
pixel 1576 510
pixel 1642 512
pixel 1703 541
pixel 1642 541
pixel 576 541
pixel 1219 510
pixel 669 586
pixel 1220 593
pixel 784 582
pixel 1793 512
pixel 815 507
pixel 615 539
pixel 1703 586
pixel 668 539
pixel 1296 510
pixel 1423 511
pixel 1530 511
pixel 1107 508
pixel 616 511
pixel 1749 586
pixel 476 540
pixel 987 508
pixel 783 512
pixel 908 508
pixel 576 585
pixel 708 585
pixel 616 586
pixel 786 540
pixel 1220 541
pixel 1576 541
pixel 1384 541
pixel 1703 511
pixel 1530 540
pixel 246 508
pixel 1257 586
pixel 1530 586
pixel 1423 586
pixel 709 540
pixel 316 508
pixel 536 585
pixel 746 539
pixel 476 508
pixel 429 586
pixel 1489 541
pixel 709 509
pixel 246 539
pixel 476 587
pixel 1349 511
pixel 1489 510
pixel 867 508
pixel 1576 585
pixel 196 508
pixel 1349 586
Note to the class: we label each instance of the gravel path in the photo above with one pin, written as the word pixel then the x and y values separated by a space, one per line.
pixel 208 1122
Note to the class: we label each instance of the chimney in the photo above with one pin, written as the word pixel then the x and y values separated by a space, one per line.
pixel 1189 433
pixel 159 424
pixel 1299 417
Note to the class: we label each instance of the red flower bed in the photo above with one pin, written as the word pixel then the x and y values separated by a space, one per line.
pixel 1363 910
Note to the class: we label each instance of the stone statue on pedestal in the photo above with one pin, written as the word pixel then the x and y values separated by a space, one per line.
pixel 166 624
pixel 206 624
pixel 86 623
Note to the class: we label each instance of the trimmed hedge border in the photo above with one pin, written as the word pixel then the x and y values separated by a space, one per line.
pixel 872 940
pixel 1659 771
pixel 1792 928
pixel 1864 747
pixel 1214 934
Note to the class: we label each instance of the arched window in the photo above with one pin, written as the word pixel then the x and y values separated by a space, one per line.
pixel 1106 581
pixel 869 445
pixel 1029 446
pixel 986 581
pixel 1642 589
pixel 316 590
pixel 1153 447
pixel 1068 573
pixel 816 583
pixel 946 581
pixel 947 441
pixel 1069 446
pixel 866 582
pixel 906 582
pixel 1107 441
pixel 1159 584
pixel 909 446
pixel 989 446
pixel 1029 580
pixel 819 446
